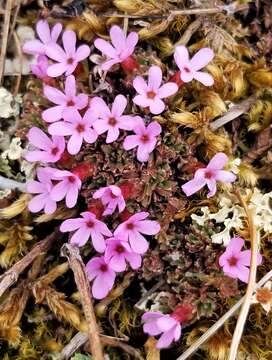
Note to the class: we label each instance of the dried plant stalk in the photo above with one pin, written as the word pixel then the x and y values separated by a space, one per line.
pixel 77 265
pixel 5 37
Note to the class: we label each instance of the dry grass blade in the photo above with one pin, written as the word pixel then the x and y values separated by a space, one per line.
pixel 5 37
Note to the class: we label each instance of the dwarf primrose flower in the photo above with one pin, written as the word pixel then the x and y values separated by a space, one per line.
pixel 111 121
pixel 123 47
pixel 157 323
pixel 209 175
pixel 51 150
pixel 111 197
pixel 47 37
pixel 40 68
pixel 118 252
pixel 68 187
pixel 79 128
pixel 132 229
pixel 86 227
pixel 99 270
pixel 43 188
pixel 67 59
pixel 66 102
pixel 151 93
pixel 189 69
pixel 235 262
pixel 145 139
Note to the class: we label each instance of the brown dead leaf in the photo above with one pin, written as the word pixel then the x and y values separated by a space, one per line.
pixel 263 143
pixel 151 352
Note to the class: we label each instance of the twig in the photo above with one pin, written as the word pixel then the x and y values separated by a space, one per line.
pixel 234 112
pixel 20 56
pixel 77 265
pixel 191 29
pixel 210 332
pixel 147 294
pixel 11 275
pixel 254 235
pixel 11 184
pixel 4 41
pixel 14 20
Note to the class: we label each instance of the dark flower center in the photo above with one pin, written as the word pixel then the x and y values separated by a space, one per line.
pixel 104 267
pixel 233 261
pixel 151 94
pixel 70 61
pixel 208 174
pixel 80 128
pixel 144 138
pixel 70 103
pixel 120 249
pixel 186 69
pixel 90 224
pixel 112 121
pixel 130 226
pixel 54 150
pixel 113 196
pixel 71 179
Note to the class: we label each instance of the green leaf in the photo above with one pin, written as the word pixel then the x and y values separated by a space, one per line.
pixel 81 357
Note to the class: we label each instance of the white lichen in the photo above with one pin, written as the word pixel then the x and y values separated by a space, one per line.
pixel 14 151
pixel 9 106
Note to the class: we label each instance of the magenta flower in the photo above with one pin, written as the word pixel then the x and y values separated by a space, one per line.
pixel 68 187
pixel 151 93
pixel 145 139
pixel 47 37
pixel 87 226
pixel 123 47
pixel 79 128
pixel 67 59
pixel 65 102
pixel 189 69
pixel 111 197
pixel 235 262
pixel 98 269
pixel 209 175
pixel 131 231
pixel 157 323
pixel 51 150
pixel 43 188
pixel 40 68
pixel 111 121
pixel 118 252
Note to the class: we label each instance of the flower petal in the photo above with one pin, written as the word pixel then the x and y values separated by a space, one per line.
pixel 193 186
pixel 118 38
pixel 71 197
pixel 140 85
pixel 56 30
pixel 61 128
pixel 34 47
pixel 131 141
pixel 203 77
pixel 53 114
pixel 83 51
pixel 148 227
pixel 137 242
pixel 105 47
pixel 74 143
pixel 225 176
pixel 113 133
pixel 181 56
pixel 167 89
pixel 69 42
pixel 70 86
pixel 80 237
pixel 154 78
pixel 218 161
pixel 201 58
pixel 56 69
pixel 156 106
pixel 118 106
pixel 54 95
pixel 165 340
pixel 154 128
pixel 39 139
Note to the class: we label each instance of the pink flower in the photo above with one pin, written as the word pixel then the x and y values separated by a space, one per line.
pixel 77 127
pixel 151 93
pixel 131 231
pixel 87 226
pixel 43 188
pixel 157 323
pixel 98 269
pixel 68 58
pixel 118 252
pixel 47 37
pixel 68 187
pixel 65 102
pixel 122 47
pixel 51 150
pixel 209 175
pixel 112 120
pixel 145 139
pixel 189 69
pixel 40 68
pixel 111 196
pixel 235 262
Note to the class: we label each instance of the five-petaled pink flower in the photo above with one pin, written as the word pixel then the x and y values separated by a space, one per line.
pixel 111 121
pixel 67 59
pixel 40 68
pixel 111 197
pixel 151 93
pixel 118 252
pixel 131 231
pixel 157 323
pixel 98 269
pixel 235 262
pixel 68 187
pixel 209 175
pixel 50 150
pixel 87 226
pixel 66 102
pixel 123 47
pixel 145 139
pixel 43 188
pixel 189 69
pixel 79 128
pixel 47 37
